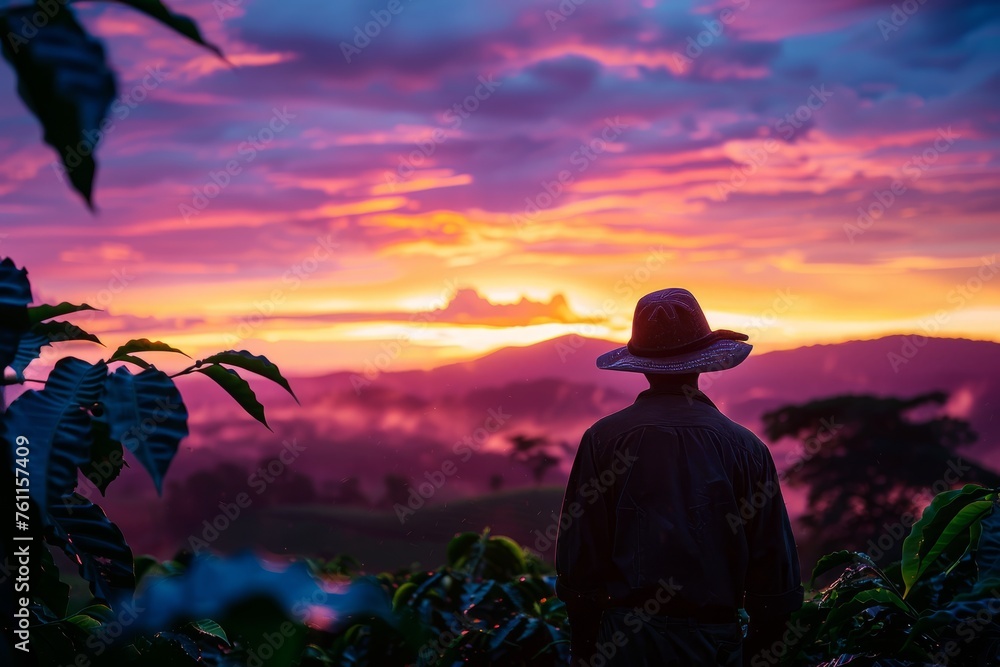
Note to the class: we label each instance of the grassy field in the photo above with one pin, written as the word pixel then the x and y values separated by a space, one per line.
pixel 378 540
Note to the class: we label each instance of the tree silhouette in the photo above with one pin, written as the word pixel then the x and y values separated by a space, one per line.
pixel 348 492
pixel 397 490
pixel 496 482
pixel 286 487
pixel 871 464
pixel 534 452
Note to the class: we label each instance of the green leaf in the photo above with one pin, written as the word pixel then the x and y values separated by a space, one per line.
pixel 93 617
pixel 143 565
pixel 971 540
pixel 15 295
pixel 210 627
pixel 258 364
pixel 106 457
pixel 64 80
pixel 148 566
pixel 42 335
pixel 460 546
pixel 178 22
pixel 45 311
pixel 86 623
pixel 256 618
pixel 504 558
pixel 403 595
pixel 928 623
pixel 47 586
pixel 141 363
pixel 949 517
pixel 988 548
pixel 83 531
pixel 146 414
pixel 838 558
pixel 238 388
pixel 15 290
pixel 124 352
pixel 56 423
pixel 852 606
pixel 62 331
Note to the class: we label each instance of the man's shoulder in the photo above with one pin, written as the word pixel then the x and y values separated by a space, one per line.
pixel 677 413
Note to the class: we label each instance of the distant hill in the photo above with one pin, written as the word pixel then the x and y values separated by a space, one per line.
pixel 408 423
pixel 555 386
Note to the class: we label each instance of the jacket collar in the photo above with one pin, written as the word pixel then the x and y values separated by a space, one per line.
pixel 686 392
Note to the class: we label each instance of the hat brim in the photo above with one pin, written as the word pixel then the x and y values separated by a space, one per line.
pixel 718 356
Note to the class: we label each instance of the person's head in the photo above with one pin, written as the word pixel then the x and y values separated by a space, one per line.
pixel 671 338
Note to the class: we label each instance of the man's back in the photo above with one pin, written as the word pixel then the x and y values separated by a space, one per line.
pixel 673 517
pixel 692 497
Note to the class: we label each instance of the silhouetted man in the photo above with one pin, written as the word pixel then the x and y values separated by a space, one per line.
pixel 673 518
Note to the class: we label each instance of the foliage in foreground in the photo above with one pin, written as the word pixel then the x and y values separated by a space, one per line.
pixel 82 422
pixel 938 605
pixel 490 603
pixel 494 603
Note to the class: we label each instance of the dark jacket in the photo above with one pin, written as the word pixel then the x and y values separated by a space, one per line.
pixel 670 501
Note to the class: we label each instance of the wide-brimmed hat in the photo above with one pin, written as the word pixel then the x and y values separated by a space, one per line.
pixel 671 335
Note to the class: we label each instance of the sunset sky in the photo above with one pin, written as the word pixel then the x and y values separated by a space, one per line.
pixel 472 175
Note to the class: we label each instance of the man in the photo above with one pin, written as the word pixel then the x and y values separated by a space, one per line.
pixel 673 519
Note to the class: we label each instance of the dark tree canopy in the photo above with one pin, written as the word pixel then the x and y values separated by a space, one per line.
pixel 536 452
pixel 872 463
pixel 397 490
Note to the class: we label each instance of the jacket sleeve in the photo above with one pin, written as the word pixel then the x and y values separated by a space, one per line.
pixel 773 581
pixel 583 548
